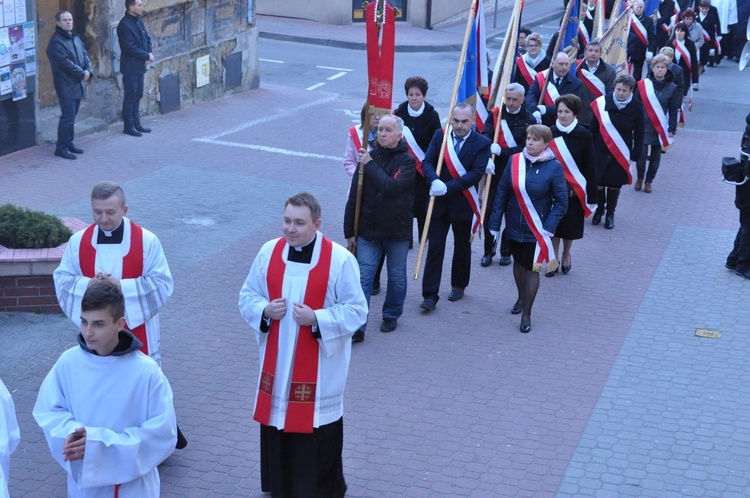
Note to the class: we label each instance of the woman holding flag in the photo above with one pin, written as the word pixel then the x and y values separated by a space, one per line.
pixel 661 101
pixel 533 197
pixel 574 147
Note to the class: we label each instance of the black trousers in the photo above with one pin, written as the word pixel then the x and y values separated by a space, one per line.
pixel 740 255
pixel 66 126
pixel 461 264
pixel 489 240
pixel 296 465
pixel 131 101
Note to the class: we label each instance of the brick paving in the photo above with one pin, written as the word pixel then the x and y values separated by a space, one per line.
pixel 611 394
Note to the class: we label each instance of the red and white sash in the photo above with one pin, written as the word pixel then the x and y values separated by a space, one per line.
pixel 414 148
pixel 595 85
pixel 717 41
pixel 551 94
pixel 528 72
pixel 356 133
pixel 457 170
pixel 672 21
pixel 302 394
pixel 504 137
pixel 573 174
pixel 682 52
pixel 706 36
pixel 639 29
pixel 681 116
pixel 544 252
pixel 611 136
pixel 132 267
pixel 655 112
pixel 584 33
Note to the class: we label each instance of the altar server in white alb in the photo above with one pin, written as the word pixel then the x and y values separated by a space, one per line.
pixel 114 248
pixel 106 408
pixel 10 436
pixel 304 300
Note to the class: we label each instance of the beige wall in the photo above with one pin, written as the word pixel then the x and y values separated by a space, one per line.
pixel 325 11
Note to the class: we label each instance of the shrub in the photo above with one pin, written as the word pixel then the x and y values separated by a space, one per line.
pixel 25 229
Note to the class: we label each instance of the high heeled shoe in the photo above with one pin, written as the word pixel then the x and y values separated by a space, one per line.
pixel 566 269
pixel 517 309
pixel 552 273
pixel 525 328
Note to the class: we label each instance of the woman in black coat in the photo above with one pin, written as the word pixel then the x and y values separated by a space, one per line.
pixel 422 120
pixel 626 115
pixel 580 145
pixel 547 191
pixel 670 98
pixel 685 56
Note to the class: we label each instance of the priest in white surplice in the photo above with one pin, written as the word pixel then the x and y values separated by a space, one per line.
pixel 304 301
pixel 106 408
pixel 10 436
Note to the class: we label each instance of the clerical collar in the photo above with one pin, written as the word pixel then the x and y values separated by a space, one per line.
pixel 113 237
pixel 302 254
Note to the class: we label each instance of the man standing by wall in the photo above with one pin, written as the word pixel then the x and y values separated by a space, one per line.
pixel 71 67
pixel 136 54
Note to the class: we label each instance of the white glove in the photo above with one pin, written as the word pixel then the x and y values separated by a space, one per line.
pixel 495 149
pixel 494 233
pixel 542 109
pixel 649 55
pixel 537 116
pixel 438 188
pixel 490 170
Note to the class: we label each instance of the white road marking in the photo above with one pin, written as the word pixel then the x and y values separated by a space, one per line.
pixel 284 114
pixel 271 60
pixel 337 75
pixel 264 148
pixel 316 85
pixel 335 68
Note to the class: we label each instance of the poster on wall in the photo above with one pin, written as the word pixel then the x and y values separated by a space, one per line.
pixel 4 47
pixel 2 16
pixel 29 35
pixel 18 80
pixel 17 52
pixel 30 62
pixel 9 12
pixel 20 8
pixel 5 86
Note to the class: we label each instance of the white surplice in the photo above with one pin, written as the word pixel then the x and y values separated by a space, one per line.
pixel 345 310
pixel 125 404
pixel 10 436
pixel 144 296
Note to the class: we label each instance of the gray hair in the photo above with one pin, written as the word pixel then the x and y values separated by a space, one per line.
pixel 399 122
pixel 516 87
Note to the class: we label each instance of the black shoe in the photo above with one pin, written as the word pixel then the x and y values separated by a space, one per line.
pixel 181 441
pixel 486 261
pixel 551 273
pixel 566 269
pixel 710 64
pixel 358 336
pixel 64 153
pixel 525 328
pixel 142 129
pixel 132 133
pixel 375 289
pixel 597 218
pixel 504 261
pixel 609 221
pixel 388 325
pixel 730 266
pixel 429 304
pixel 456 294
pixel 75 150
pixel 517 309
pixel 745 273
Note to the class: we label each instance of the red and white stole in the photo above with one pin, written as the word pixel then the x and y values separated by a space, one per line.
pixel 681 51
pixel 551 94
pixel 672 20
pixel 132 266
pixel 639 29
pixel 717 41
pixel 611 136
pixel 528 72
pixel 654 111
pixel 573 174
pixel 457 170
pixel 584 33
pixel 414 148
pixel 595 85
pixel 504 137
pixel 544 252
pixel 300 413
pixel 706 36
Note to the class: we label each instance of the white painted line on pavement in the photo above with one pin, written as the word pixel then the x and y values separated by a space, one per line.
pixel 272 117
pixel 263 148
pixel 271 60
pixel 316 85
pixel 337 75
pixel 335 68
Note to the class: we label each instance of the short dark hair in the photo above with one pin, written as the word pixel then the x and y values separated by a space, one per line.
pixel 540 131
pixel 106 189
pixel 681 26
pixel 687 13
pixel 129 3
pixel 418 82
pixel 525 31
pixel 594 44
pixel 59 14
pixel 626 80
pixel 306 199
pixel 104 295
pixel 572 102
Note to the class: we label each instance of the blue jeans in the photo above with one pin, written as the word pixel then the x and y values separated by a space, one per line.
pixel 66 126
pixel 368 256
pixel 131 100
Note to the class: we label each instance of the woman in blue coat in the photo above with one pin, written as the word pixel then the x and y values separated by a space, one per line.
pixel 544 193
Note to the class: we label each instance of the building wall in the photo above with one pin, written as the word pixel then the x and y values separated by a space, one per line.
pixel 337 12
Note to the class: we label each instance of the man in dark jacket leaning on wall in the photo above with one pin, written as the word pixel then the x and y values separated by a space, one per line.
pixel 71 67
pixel 385 220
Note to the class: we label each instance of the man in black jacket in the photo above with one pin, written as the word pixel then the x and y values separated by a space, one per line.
pixel 739 259
pixel 71 67
pixel 136 54
pixel 562 83
pixel 385 218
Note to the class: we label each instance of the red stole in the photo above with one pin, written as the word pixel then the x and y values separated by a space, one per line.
pixel 527 72
pixel 611 136
pixel 132 266
pixel 457 170
pixel 654 111
pixel 414 148
pixel 639 29
pixel 595 85
pixel 573 174
pixel 682 50
pixel 380 55
pixel 300 413
pixel 504 137
pixel 551 94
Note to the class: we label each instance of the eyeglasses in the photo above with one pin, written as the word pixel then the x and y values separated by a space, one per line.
pixel 532 45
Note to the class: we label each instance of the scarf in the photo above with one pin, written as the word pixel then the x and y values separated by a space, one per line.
pixel 566 129
pixel 417 113
pixel 533 62
pixel 621 105
pixel 546 155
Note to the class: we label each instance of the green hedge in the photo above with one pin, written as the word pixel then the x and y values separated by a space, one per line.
pixel 25 229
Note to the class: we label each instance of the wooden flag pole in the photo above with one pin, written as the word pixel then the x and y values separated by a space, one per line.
pixel 561 34
pixel 439 165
